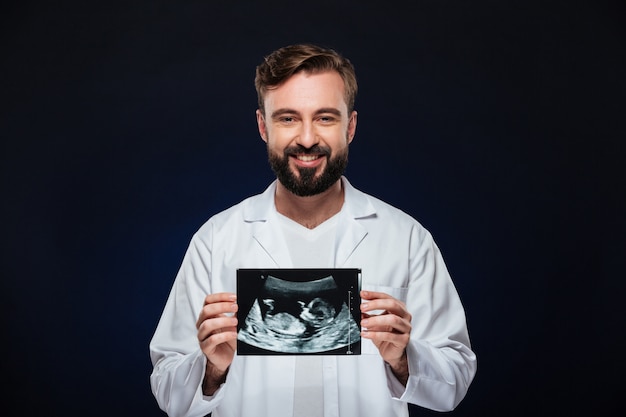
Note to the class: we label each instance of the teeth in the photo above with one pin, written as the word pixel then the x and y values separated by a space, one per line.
pixel 307 158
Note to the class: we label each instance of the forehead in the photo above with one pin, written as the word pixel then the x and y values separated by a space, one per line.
pixel 305 91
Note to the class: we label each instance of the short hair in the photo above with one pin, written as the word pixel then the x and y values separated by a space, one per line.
pixel 287 61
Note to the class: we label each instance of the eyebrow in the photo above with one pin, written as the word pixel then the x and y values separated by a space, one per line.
pixel 330 110
pixel 323 110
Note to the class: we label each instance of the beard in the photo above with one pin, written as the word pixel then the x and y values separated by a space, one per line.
pixel 305 183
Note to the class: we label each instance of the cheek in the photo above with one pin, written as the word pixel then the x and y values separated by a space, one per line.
pixel 279 139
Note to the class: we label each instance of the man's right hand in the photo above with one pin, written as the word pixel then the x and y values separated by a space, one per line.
pixel 217 334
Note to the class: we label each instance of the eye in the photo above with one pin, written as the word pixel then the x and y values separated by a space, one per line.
pixel 287 120
pixel 327 119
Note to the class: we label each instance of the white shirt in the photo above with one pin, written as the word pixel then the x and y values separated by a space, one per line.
pixel 309 248
pixel 396 255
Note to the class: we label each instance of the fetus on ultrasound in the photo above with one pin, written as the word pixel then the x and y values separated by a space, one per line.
pixel 304 318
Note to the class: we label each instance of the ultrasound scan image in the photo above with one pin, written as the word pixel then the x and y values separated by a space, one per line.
pixel 292 315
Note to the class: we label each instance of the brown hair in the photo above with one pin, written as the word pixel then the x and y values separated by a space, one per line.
pixel 281 64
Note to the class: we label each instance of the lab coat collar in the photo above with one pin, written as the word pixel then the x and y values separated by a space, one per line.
pixel 357 204
pixel 350 232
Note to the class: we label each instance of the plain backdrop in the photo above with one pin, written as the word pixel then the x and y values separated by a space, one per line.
pixel 499 125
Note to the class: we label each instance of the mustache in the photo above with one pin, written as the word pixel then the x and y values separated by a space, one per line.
pixel 301 150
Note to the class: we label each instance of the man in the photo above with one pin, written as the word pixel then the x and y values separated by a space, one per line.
pixel 416 351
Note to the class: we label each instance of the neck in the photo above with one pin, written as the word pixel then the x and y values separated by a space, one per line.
pixel 310 211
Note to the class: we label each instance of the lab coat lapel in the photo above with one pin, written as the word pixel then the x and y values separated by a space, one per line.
pixel 268 235
pixel 351 232
pixel 261 213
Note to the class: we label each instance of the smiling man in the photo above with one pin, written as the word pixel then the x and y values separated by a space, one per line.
pixel 307 129
pixel 415 343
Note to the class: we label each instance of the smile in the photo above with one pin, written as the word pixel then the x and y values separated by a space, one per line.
pixel 307 158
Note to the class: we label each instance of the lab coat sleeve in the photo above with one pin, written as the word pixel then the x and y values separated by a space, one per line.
pixel 178 362
pixel 441 362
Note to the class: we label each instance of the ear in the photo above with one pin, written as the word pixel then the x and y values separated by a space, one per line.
pixel 260 121
pixel 352 126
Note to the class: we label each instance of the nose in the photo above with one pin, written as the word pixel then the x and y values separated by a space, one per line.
pixel 307 136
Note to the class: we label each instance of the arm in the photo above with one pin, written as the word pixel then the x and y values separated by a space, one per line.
pixel 441 362
pixel 422 334
pixel 177 346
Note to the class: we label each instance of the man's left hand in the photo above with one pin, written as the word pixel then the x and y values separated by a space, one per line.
pixel 389 331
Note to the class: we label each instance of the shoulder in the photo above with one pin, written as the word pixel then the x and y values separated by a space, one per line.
pixel 385 221
pixel 387 210
pixel 250 210
pixel 363 205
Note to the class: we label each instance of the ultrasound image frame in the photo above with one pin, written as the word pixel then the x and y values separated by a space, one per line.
pixel 299 311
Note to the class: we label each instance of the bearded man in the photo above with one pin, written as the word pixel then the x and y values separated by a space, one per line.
pixel 416 347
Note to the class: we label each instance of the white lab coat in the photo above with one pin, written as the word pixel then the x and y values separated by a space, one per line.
pixel 396 255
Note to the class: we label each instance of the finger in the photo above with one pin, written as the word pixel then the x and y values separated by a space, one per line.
pixel 385 305
pixel 210 344
pixel 215 326
pixel 371 295
pixel 220 297
pixel 399 341
pixel 388 323
pixel 216 309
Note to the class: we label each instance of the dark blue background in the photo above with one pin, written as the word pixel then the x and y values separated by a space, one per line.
pixel 498 124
